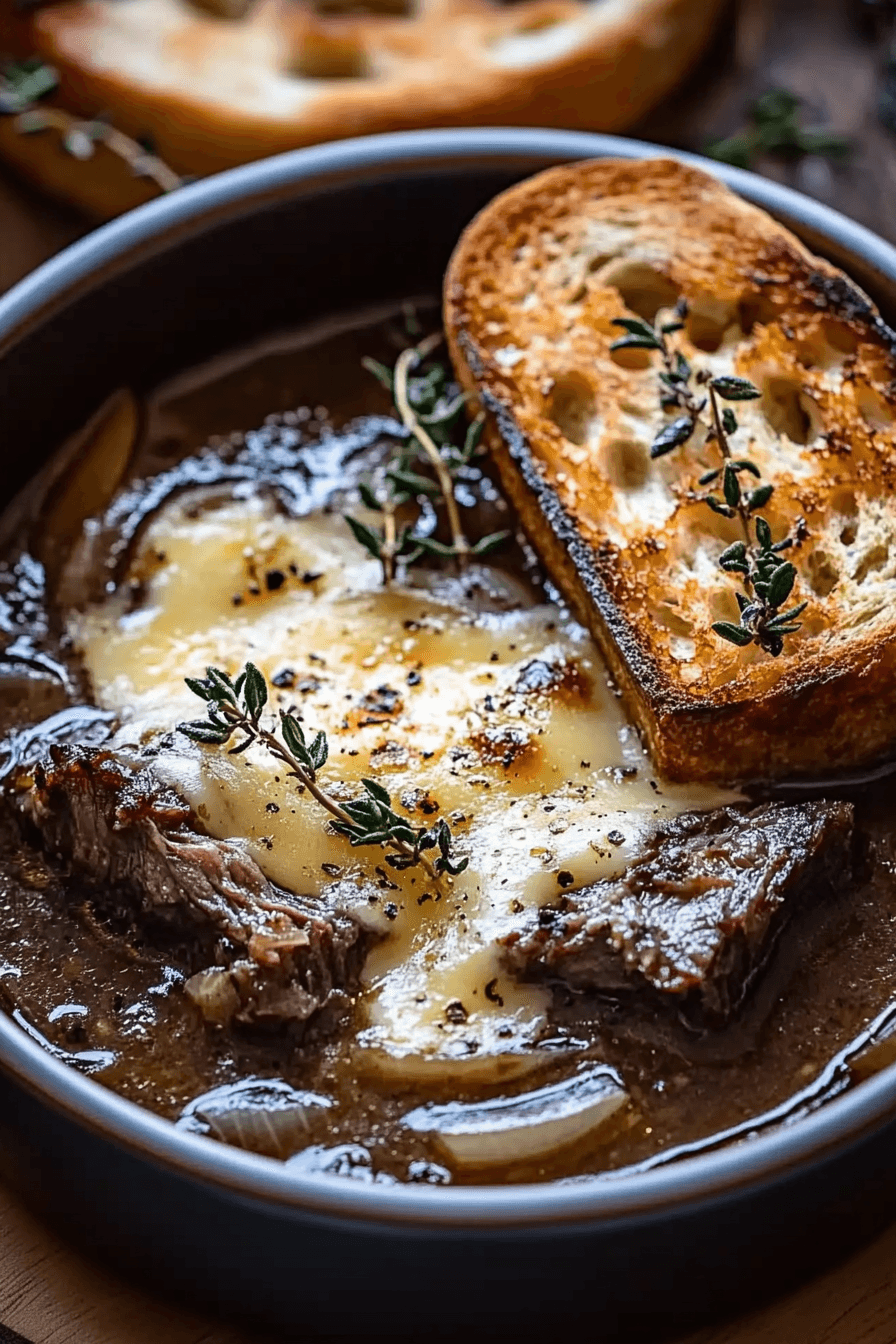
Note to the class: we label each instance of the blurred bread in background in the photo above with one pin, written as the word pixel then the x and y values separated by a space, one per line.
pixel 213 83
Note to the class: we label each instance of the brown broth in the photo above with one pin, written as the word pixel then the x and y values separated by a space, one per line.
pixel 82 990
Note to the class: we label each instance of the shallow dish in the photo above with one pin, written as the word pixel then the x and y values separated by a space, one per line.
pixel 236 256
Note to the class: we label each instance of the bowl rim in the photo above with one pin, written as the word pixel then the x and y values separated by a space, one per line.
pixel 739 1169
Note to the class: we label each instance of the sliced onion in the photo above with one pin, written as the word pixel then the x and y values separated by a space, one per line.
pixel 96 460
pixel 878 1055
pixel 348 1160
pixel 264 1115
pixel 527 1127
pixel 394 1065
pixel 213 993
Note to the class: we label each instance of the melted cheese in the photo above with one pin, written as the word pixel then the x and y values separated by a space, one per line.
pixel 497 715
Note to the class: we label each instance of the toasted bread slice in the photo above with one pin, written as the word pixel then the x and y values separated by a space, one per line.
pixel 215 83
pixel 531 295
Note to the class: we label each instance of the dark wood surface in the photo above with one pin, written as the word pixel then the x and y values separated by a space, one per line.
pixel 817 49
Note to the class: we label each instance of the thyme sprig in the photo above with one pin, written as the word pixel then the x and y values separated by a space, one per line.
pixel 431 410
pixel 775 128
pixel 22 86
pixel 767 579
pixel 414 424
pixel 768 582
pixel 23 83
pixel 236 706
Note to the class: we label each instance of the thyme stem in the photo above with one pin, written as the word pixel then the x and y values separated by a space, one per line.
pixel 725 449
pixel 390 545
pixel 407 360
pixel 141 163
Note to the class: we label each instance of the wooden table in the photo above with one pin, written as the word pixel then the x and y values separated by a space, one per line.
pixel 48 1293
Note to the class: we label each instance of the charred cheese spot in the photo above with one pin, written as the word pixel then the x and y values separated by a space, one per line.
pixel 507 727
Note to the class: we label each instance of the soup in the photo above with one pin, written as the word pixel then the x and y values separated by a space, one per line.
pixel 608 972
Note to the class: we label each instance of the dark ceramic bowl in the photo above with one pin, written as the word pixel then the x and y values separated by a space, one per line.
pixel 263 247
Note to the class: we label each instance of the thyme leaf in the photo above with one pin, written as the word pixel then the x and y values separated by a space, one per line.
pixel 369 498
pixel 759 498
pixel 735 634
pixel 774 127
pixel 24 83
pixel 673 436
pixel 485 545
pixel 370 540
pixel 735 389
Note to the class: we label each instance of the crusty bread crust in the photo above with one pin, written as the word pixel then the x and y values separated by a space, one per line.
pixel 530 297
pixel 214 92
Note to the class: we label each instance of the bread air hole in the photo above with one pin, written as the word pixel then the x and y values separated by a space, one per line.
pixel 572 406
pixel 840 336
pixel 708 320
pixel 722 604
pixel 631 359
pixel 538 20
pixel 396 7
pixel 845 505
pixel 822 572
pixel 641 289
pixel 756 310
pixel 829 345
pixel 705 333
pixel 872 561
pixel 790 410
pixel 329 55
pixel 668 615
pixel 873 408
pixel 626 463
pixel 224 9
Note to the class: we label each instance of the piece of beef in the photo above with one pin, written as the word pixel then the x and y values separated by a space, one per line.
pixel 696 916
pixel 275 959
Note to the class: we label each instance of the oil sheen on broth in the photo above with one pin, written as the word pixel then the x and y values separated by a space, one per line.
pixel 478 700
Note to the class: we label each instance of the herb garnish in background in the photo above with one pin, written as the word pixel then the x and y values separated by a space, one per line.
pixel 431 410
pixel 767 579
pixel 775 129
pixel 237 707
pixel 24 83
